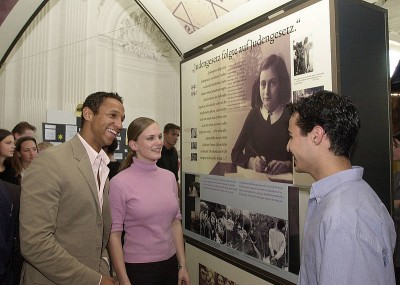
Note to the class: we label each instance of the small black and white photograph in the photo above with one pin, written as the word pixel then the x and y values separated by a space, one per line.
pixel 193 145
pixel 303 93
pixel 303 56
pixel 193 133
pixel 193 156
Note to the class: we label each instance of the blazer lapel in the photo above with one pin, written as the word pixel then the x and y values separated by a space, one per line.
pixel 85 167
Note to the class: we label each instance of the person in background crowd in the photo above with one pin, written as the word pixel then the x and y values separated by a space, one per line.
pixel 203 275
pixel 7 148
pixel 148 211
pixel 220 280
pixel 25 152
pixel 169 154
pixel 349 235
pixel 221 226
pixel 43 146
pixel 114 164
pixel 277 244
pixel 248 246
pixel 10 254
pixel 205 225
pixel 23 129
pixel 65 218
pixel 257 239
pixel 213 223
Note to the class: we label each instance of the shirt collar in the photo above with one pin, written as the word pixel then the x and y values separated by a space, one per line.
pixel 92 153
pixel 327 185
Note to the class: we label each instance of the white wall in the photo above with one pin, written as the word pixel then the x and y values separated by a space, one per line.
pixel 74 48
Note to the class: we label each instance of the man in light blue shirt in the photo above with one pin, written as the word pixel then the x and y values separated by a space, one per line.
pixel 349 236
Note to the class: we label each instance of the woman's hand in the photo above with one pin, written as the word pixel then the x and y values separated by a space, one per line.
pixel 257 163
pixel 278 167
pixel 183 276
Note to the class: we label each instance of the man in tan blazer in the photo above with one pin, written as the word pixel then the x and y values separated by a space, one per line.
pixel 65 218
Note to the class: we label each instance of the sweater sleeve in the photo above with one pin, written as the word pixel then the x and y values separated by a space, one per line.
pixel 117 199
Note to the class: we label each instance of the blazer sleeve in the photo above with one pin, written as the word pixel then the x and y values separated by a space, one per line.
pixel 40 201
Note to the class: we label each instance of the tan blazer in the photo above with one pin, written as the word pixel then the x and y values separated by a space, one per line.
pixel 63 230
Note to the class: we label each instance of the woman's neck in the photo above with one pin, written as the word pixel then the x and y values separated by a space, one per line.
pixel 2 166
pixel 25 164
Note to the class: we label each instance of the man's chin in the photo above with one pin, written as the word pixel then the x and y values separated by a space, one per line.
pixel 297 168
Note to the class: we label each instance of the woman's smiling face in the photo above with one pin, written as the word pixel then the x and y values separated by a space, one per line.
pixel 149 144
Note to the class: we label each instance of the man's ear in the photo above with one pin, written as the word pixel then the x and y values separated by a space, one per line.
pixel 87 113
pixel 318 133
pixel 132 144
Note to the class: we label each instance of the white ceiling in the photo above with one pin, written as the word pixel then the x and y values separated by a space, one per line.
pixel 13 24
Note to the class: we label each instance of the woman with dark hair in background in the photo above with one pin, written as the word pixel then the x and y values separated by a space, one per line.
pixel 148 211
pixel 7 148
pixel 10 254
pixel 264 134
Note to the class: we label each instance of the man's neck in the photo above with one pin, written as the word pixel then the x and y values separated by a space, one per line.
pixel 333 166
pixel 167 145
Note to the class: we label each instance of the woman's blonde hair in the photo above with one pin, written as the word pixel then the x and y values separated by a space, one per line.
pixel 136 127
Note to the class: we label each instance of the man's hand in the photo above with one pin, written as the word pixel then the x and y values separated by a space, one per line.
pixel 107 280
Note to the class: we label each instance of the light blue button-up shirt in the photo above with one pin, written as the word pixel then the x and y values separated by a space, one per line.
pixel 349 236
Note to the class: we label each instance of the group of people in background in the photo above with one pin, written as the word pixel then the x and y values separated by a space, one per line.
pixel 18 148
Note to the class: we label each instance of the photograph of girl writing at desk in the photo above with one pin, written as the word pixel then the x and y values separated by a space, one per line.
pixel 261 144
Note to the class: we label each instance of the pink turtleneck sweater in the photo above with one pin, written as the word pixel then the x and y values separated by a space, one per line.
pixel 143 201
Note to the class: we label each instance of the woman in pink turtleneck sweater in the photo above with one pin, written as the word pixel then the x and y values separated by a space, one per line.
pixel 144 203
